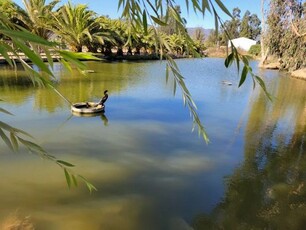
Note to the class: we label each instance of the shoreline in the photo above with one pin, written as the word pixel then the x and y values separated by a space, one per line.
pixel 298 74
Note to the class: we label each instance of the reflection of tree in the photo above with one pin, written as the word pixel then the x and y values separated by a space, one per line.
pixel 14 85
pixel 268 191
pixel 74 85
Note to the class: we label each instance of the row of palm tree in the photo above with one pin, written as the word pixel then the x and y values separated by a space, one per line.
pixel 76 27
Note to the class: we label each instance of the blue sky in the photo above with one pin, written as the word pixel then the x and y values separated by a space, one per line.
pixel 106 7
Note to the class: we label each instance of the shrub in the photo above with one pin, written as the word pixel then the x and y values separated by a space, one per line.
pixel 255 50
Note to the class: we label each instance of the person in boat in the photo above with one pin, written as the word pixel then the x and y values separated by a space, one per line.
pixel 103 99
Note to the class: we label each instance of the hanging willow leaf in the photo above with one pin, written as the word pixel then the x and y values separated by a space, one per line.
pixel 31 145
pixel 25 36
pixel 65 163
pixel 74 180
pixel 6 139
pixel 229 60
pixel 5 111
pixel 68 178
pixel 243 75
pixel 89 185
pixel 35 58
pixel 158 21
pixel 4 52
pixel 14 141
pixel 145 23
pixel 205 6
pixel 223 8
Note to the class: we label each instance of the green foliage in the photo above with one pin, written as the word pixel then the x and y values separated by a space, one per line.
pixel 73 23
pixel 247 70
pixel 230 28
pixel 286 33
pixel 255 50
pixel 250 26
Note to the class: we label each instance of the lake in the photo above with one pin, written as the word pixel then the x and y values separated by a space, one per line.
pixel 150 169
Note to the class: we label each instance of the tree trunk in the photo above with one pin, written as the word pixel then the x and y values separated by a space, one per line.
pixel 264 52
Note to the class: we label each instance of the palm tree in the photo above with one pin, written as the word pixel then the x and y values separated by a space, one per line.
pixel 12 12
pixel 99 35
pixel 74 23
pixel 109 34
pixel 37 17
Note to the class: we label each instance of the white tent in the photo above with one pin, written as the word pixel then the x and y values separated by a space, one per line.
pixel 242 43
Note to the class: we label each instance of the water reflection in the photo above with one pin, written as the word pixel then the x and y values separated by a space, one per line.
pixel 102 116
pixel 75 86
pixel 150 170
pixel 268 190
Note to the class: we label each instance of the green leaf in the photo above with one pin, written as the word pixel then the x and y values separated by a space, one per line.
pixel 68 179
pixel 74 180
pixel 205 5
pixel 237 58
pixel 90 186
pixel 223 8
pixel 36 59
pixel 76 58
pixel 31 145
pixel 263 86
pixel 6 127
pixel 243 75
pixel 65 163
pixel 120 4
pixel 196 5
pixel 66 64
pixel 14 141
pixel 49 56
pixel 158 21
pixel 26 36
pixel 12 129
pixel 144 22
pixel 174 87
pixel 6 139
pixel 5 111
pixel 187 5
pixel 3 52
pixel 216 24
pixel 229 60
pixel 245 60
pixel 167 73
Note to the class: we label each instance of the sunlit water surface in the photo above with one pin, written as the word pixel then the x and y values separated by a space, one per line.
pixel 150 169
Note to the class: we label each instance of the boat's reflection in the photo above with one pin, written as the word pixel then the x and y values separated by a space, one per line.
pixel 101 115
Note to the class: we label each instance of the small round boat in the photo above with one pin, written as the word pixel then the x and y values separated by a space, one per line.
pixel 87 108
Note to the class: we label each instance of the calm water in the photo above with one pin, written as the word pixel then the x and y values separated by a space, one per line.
pixel 151 171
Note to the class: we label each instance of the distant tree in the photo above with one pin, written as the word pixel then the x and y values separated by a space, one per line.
pixel 245 28
pixel 276 26
pixel 213 39
pixel 199 38
pixel 250 26
pixel 231 26
pixel 199 35
pixel 287 32
pixel 255 26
